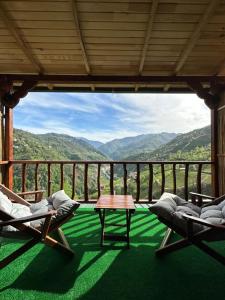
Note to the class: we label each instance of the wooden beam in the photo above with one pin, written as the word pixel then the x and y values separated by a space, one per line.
pixel 196 33
pixel 148 34
pixel 22 44
pixel 99 79
pixel 79 33
pixel 8 150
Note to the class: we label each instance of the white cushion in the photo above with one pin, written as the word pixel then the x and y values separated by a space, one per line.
pixel 58 199
pixel 5 203
pixel 18 211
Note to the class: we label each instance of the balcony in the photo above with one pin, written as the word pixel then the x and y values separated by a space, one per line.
pixel 112 272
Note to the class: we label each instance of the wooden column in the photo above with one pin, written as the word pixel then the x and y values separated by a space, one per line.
pixel 214 151
pixel 8 146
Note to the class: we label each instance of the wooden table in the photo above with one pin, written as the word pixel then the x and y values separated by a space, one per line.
pixel 114 202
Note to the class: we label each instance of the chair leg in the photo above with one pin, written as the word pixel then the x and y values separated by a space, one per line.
pixel 166 238
pixel 5 261
pixel 172 247
pixel 63 238
pixel 211 252
pixel 59 246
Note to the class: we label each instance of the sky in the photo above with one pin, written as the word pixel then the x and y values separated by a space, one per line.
pixel 107 116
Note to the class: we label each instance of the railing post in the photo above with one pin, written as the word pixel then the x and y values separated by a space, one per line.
pixel 61 176
pixel 111 179
pixel 186 181
pixel 73 181
pixel 24 171
pixel 86 182
pixel 99 180
pixel 163 178
pixel 150 182
pixel 49 179
pixel 125 179
pixel 138 183
pixel 174 179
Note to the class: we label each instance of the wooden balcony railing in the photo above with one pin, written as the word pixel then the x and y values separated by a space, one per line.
pixel 160 169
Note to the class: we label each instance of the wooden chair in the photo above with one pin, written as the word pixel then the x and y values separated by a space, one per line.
pixel 35 235
pixel 210 232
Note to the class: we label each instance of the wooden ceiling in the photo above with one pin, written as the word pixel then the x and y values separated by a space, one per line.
pixel 113 38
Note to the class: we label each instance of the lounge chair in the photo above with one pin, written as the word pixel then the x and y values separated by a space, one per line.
pixel 195 223
pixel 19 218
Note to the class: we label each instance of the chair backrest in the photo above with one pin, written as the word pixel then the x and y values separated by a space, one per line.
pixel 13 196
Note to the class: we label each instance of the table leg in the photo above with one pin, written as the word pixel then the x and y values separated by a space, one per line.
pixel 102 221
pixel 128 218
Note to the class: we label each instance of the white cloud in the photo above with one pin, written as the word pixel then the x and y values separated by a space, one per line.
pixel 165 112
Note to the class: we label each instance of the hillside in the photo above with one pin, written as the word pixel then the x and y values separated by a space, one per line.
pixel 52 146
pixel 192 145
pixel 95 144
pixel 121 148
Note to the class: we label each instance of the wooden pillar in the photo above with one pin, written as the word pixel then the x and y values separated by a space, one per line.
pixel 214 151
pixel 8 146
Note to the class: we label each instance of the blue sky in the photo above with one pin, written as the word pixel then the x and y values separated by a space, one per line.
pixel 105 117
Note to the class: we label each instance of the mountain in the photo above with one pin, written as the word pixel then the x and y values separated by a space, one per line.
pixel 121 148
pixel 195 143
pixel 95 144
pixel 52 146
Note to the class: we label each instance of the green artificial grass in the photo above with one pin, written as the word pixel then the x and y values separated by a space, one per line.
pixel 112 272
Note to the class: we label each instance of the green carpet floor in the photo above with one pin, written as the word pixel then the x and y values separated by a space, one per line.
pixel 112 272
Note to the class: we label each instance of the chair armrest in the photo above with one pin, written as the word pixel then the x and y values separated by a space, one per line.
pixel 25 219
pixel 193 219
pixel 38 194
pixel 201 195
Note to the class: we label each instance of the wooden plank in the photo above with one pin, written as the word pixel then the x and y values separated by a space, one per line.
pixel 41 16
pixel 46 46
pixel 113 47
pixel 196 34
pixel 45 6
pixel 96 25
pixel 47 24
pixel 52 39
pixel 113 33
pixel 48 32
pixel 107 53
